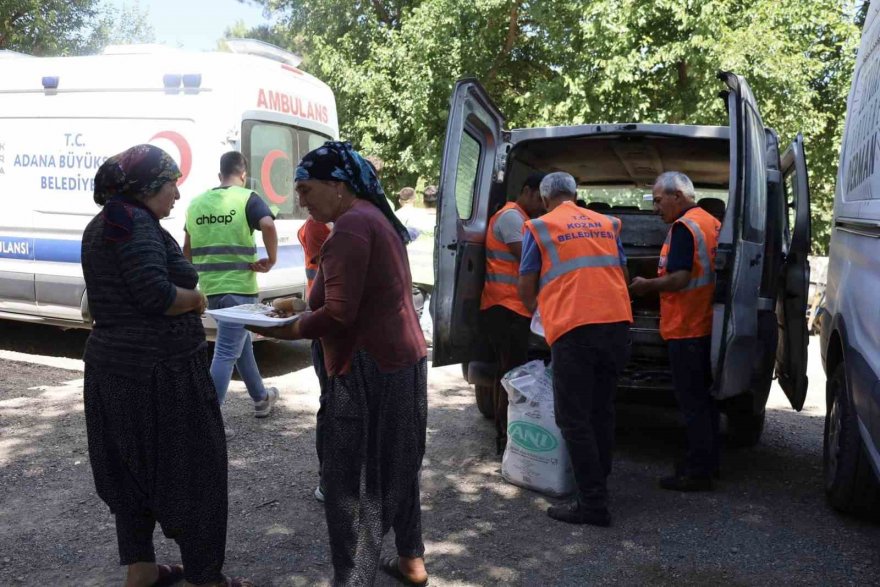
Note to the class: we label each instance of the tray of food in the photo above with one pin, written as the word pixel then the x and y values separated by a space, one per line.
pixel 252 315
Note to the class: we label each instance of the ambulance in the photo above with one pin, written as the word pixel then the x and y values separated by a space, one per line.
pixel 62 117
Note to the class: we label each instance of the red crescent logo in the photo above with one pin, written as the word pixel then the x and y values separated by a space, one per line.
pixel 266 175
pixel 182 147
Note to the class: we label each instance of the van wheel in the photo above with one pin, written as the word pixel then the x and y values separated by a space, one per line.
pixel 850 485
pixel 485 400
pixel 744 428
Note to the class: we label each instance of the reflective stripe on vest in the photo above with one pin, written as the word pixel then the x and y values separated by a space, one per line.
pixel 221 241
pixel 224 250
pixel 502 269
pixel 581 279
pixel 688 313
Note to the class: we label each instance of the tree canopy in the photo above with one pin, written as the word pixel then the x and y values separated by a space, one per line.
pixel 392 64
pixel 68 27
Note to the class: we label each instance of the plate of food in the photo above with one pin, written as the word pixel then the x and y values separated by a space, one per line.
pixel 252 315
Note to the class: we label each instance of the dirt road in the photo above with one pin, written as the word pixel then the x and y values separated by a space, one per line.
pixel 767 522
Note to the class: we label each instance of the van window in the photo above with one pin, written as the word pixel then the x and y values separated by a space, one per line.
pixel 756 183
pixel 466 175
pixel 636 197
pixel 273 150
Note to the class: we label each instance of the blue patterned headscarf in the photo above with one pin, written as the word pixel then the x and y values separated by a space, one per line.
pixel 337 161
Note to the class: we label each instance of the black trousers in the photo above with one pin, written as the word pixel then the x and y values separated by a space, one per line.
pixel 586 363
pixel 692 376
pixel 321 372
pixel 158 454
pixel 508 334
pixel 374 442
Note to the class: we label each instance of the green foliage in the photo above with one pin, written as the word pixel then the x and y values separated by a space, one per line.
pixel 127 25
pixel 68 27
pixel 392 65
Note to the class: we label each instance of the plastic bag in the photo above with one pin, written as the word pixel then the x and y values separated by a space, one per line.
pixel 536 456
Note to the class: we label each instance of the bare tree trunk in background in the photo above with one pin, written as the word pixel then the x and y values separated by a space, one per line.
pixel 509 42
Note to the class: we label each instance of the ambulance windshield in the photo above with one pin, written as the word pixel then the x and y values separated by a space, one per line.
pixel 273 150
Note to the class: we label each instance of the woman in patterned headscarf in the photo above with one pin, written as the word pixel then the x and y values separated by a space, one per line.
pixel 156 441
pixel 375 356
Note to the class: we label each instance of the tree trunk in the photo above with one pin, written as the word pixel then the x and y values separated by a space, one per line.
pixel 683 84
pixel 509 41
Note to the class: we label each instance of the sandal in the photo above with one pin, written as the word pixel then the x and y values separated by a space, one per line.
pixel 391 566
pixel 168 575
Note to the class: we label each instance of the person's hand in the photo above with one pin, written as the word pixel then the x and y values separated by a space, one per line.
pixel 283 332
pixel 263 265
pixel 203 304
pixel 639 286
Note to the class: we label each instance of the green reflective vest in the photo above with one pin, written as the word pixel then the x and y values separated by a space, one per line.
pixel 221 241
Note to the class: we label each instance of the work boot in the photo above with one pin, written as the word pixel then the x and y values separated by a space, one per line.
pixel 680 470
pixel 686 483
pixel 575 513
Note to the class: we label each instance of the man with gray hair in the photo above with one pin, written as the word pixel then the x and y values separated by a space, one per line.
pixel 573 268
pixel 686 284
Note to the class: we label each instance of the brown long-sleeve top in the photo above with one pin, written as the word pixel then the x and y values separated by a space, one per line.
pixel 362 296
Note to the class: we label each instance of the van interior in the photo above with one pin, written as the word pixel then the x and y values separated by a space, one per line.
pixel 615 175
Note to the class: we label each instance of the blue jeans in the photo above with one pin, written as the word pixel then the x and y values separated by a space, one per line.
pixel 234 347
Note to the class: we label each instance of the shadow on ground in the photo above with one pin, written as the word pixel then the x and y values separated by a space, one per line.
pixel 766 523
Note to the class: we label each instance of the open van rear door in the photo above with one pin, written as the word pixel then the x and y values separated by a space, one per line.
pixel 471 161
pixel 739 260
pixel 791 304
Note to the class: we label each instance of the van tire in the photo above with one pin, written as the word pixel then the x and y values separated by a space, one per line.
pixel 485 400
pixel 850 484
pixel 744 428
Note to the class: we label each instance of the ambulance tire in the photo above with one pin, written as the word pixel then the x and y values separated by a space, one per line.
pixel 485 400
pixel 850 484
pixel 744 428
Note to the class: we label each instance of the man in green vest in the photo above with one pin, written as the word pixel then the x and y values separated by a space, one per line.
pixel 220 225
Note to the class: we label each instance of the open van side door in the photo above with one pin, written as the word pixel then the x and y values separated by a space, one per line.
pixel 791 303
pixel 739 260
pixel 472 160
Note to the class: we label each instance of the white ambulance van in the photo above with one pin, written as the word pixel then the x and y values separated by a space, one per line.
pixel 63 116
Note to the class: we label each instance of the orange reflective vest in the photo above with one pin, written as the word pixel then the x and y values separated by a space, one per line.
pixel 312 235
pixel 581 279
pixel 502 270
pixel 688 313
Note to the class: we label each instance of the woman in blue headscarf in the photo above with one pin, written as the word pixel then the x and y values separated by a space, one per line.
pixel 375 357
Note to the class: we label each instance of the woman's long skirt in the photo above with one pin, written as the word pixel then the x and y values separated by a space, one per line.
pixel 158 454
pixel 374 441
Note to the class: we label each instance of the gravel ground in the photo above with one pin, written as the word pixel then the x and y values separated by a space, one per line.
pixel 767 522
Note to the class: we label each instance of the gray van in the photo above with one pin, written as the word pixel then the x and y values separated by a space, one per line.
pixel 850 333
pixel 762 275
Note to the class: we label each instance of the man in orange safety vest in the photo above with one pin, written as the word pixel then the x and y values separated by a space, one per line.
pixel 686 284
pixel 503 316
pixel 574 269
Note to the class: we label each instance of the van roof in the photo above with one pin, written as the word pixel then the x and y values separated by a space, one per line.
pixel 137 67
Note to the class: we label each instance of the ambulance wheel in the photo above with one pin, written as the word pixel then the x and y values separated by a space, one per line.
pixel 485 400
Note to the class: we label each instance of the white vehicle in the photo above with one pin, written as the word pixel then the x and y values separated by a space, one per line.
pixel 849 332
pixel 63 116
